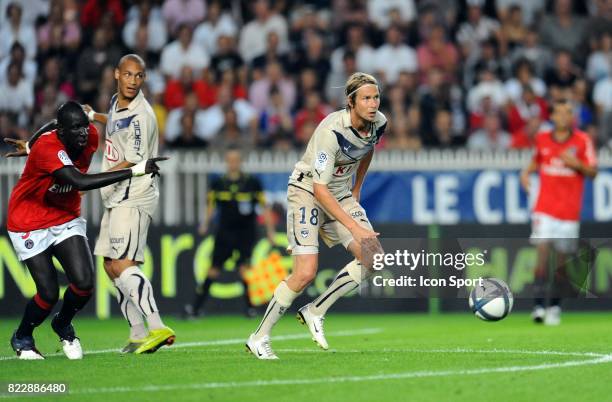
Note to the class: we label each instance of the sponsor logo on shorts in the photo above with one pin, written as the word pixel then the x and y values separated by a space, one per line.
pixel 29 244
pixel 304 233
pixel 25 235
pixel 357 214
pixel 116 240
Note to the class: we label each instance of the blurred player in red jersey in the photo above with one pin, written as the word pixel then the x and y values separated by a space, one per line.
pixel 563 157
pixel 44 221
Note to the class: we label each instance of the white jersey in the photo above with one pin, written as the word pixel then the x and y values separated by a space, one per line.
pixel 131 135
pixel 334 152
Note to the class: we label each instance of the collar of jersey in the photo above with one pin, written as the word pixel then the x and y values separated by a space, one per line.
pixel 132 105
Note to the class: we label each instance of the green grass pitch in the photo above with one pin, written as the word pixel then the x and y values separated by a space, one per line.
pixel 388 357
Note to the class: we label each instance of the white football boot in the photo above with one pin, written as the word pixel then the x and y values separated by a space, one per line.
pixel 315 325
pixel 72 350
pixel 260 348
pixel 25 348
pixel 553 316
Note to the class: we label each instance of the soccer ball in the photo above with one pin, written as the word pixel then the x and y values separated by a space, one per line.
pixel 492 300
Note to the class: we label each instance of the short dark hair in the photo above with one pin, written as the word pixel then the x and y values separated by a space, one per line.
pixel 132 57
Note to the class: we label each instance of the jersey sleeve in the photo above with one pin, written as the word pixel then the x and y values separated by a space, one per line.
pixel 325 149
pixel 136 140
pixel 587 154
pixel 49 157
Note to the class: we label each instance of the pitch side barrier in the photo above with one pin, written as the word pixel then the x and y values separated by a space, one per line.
pixel 177 258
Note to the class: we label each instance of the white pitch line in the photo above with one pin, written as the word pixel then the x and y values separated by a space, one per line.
pixel 343 379
pixel 236 341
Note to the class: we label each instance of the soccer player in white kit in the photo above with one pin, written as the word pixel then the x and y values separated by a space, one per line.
pixel 131 136
pixel 322 198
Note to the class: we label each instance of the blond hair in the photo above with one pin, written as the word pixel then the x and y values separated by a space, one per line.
pixel 354 83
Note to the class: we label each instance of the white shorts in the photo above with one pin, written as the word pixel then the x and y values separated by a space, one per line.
pixel 123 234
pixel 32 243
pixel 562 234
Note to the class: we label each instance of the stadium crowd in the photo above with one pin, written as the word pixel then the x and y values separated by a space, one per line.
pixel 263 73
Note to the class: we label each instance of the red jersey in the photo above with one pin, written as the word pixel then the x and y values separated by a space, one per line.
pixel 38 201
pixel 561 187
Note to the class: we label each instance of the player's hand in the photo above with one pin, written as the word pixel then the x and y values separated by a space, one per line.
pixel 570 160
pixel 525 182
pixel 20 147
pixel 361 234
pixel 88 109
pixel 148 167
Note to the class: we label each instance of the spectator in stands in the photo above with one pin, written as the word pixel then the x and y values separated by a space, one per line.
pixel 365 55
pixel 70 31
pixel 253 34
pixel 491 137
pixel 602 97
pixel 216 25
pixel 381 12
pixel 530 9
pixel 183 52
pixel 313 112
pixel 524 75
pixel 246 115
pixel 539 56
pixel 599 63
pixel 490 88
pixel 91 63
pixel 584 115
pixel 17 30
pixel 8 129
pixel 177 90
pixel 562 29
pixel 443 135
pixel 188 137
pixel 513 33
pixel 17 96
pixel 438 52
pixel 94 13
pixel 272 54
pixel 529 105
pixel 17 55
pixel 394 57
pixel 275 122
pixel 149 17
pixel 52 74
pixel 314 58
pixel 226 57
pixel 231 135
pixel 183 12
pixel 199 126
pixel 478 28
pixel 487 58
pixel 260 90
pixel 561 77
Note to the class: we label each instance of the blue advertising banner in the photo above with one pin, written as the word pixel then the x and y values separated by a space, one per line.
pixel 452 197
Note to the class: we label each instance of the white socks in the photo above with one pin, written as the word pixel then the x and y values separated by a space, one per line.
pixel 138 290
pixel 283 297
pixel 348 279
pixel 130 312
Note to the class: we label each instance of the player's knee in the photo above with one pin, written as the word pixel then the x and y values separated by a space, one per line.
pixel 84 284
pixel 49 295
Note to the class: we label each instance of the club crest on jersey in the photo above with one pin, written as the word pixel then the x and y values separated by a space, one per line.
pixel 321 162
pixel 572 150
pixel 64 158
pixel 304 233
pixel 29 244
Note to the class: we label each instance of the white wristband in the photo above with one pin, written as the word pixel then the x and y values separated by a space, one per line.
pixel 139 168
pixel 27 147
pixel 91 114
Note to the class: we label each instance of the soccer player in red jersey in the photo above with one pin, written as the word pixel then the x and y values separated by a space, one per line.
pixel 563 157
pixel 44 221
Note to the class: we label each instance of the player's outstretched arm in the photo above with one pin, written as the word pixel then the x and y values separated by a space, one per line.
pixel 22 147
pixel 84 182
pixel 92 115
